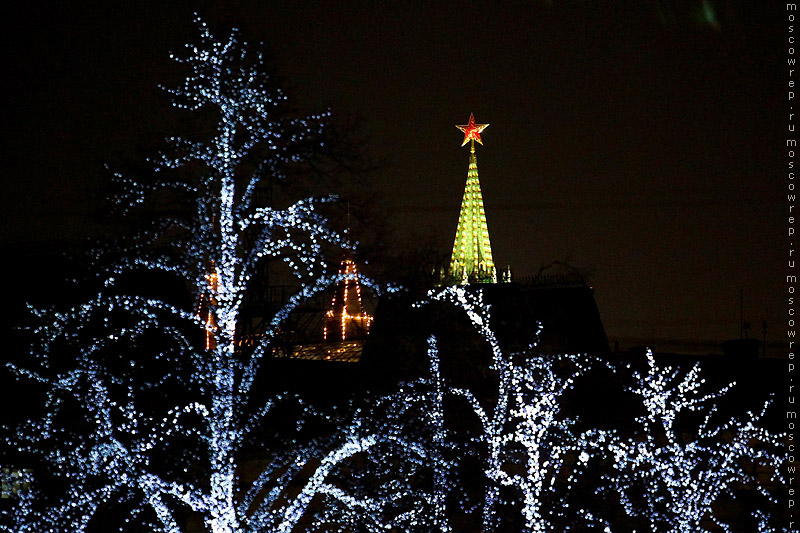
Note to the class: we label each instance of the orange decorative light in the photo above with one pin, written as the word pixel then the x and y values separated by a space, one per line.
pixel 346 318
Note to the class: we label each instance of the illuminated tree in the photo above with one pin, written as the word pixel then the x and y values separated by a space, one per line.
pixel 672 475
pixel 525 440
pixel 145 416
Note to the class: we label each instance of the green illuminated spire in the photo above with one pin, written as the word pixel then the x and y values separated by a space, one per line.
pixel 471 261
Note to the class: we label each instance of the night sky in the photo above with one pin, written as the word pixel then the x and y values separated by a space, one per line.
pixel 643 142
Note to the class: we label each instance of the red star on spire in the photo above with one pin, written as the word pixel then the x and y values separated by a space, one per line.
pixel 472 131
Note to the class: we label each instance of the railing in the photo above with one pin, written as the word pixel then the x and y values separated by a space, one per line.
pixel 554 279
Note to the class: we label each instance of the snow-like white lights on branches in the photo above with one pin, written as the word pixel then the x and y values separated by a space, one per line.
pixel 670 477
pixel 152 411
pixel 139 407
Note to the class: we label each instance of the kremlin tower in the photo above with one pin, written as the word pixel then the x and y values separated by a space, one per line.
pixel 471 260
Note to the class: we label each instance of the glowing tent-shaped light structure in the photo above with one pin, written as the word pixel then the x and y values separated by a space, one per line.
pixel 346 318
pixel 471 261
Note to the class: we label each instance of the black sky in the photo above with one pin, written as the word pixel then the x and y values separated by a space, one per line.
pixel 642 141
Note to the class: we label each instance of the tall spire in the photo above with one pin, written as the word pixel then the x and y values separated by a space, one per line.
pixel 471 261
